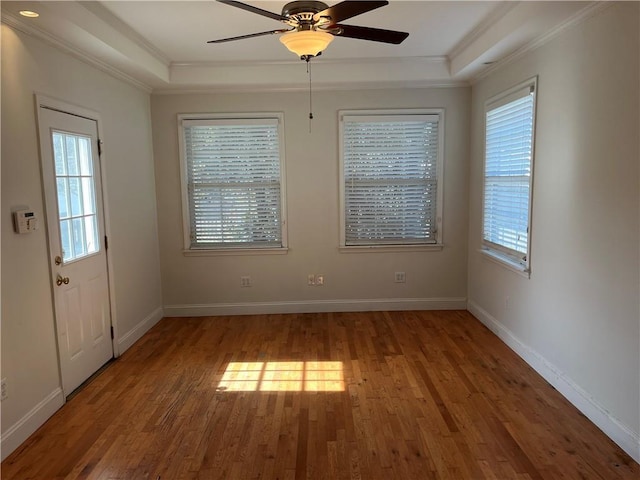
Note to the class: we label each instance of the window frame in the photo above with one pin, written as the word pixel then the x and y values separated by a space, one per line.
pixel 397 113
pixel 512 259
pixel 188 248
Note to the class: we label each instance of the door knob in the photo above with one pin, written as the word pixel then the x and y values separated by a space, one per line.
pixel 60 280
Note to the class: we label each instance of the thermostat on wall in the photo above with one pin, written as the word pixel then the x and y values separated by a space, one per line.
pixel 25 221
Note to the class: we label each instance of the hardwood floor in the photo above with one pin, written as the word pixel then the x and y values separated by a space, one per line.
pixel 381 395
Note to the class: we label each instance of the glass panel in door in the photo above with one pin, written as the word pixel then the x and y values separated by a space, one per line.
pixel 75 187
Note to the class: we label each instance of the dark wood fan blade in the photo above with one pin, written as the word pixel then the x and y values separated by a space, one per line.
pixel 368 33
pixel 249 8
pixel 347 9
pixel 251 35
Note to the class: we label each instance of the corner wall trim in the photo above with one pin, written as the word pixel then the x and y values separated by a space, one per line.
pixel 621 434
pixel 133 335
pixel 23 428
pixel 315 306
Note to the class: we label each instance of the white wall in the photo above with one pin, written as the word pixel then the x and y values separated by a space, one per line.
pixel 199 285
pixel 577 318
pixel 29 358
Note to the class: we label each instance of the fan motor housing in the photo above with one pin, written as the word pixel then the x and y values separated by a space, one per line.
pixel 298 7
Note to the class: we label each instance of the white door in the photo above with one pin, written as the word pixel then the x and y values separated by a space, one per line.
pixel 75 222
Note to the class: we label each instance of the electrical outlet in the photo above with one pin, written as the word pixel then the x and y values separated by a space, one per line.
pixel 315 280
pixel 3 389
pixel 245 281
pixel 400 277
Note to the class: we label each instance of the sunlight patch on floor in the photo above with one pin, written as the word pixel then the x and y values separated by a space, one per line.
pixel 310 376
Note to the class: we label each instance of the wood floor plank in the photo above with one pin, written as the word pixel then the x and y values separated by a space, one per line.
pixel 347 396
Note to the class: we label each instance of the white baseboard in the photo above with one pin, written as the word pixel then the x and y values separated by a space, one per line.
pixel 133 335
pixel 24 428
pixel 621 434
pixel 315 306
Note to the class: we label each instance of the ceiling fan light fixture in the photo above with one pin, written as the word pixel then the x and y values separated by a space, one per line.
pixel 306 43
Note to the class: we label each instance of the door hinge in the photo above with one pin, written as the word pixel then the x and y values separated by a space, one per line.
pixel 99 147
pixel 112 334
pixel 106 242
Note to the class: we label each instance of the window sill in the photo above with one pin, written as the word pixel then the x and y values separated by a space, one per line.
pixel 506 262
pixel 436 247
pixel 234 251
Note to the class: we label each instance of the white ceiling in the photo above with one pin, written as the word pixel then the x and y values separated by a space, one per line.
pixel 161 45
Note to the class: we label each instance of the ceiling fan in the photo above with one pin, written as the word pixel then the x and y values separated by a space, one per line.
pixel 313 25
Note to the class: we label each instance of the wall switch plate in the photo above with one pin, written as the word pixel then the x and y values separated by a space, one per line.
pixel 319 280
pixel 400 277
pixel 311 279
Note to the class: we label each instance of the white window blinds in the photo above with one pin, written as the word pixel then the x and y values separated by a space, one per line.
pixel 507 173
pixel 390 179
pixel 233 182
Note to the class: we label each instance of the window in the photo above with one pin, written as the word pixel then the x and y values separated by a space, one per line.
pixel 508 168
pixel 390 178
pixel 75 186
pixel 233 187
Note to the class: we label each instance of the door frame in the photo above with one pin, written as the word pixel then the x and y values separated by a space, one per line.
pixel 62 106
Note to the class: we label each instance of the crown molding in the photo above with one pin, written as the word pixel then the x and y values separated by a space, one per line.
pixel 435 59
pixel 579 17
pixel 66 47
pixel 322 87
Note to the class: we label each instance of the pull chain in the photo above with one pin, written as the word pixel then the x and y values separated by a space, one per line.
pixel 310 99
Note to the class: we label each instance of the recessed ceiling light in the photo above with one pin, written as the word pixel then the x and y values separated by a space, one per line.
pixel 29 13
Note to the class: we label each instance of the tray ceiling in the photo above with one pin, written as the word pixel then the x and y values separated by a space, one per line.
pixel 161 45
